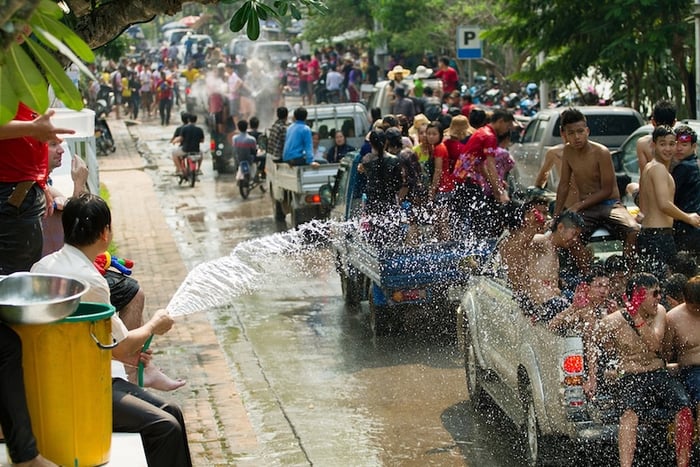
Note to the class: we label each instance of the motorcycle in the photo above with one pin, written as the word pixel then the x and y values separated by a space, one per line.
pixel 189 168
pixel 103 135
pixel 249 178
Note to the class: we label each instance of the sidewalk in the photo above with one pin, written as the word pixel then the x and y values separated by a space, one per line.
pixel 219 430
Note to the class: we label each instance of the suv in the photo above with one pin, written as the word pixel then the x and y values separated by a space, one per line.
pixel 609 126
pixel 271 52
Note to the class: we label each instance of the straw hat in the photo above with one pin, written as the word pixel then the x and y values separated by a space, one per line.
pixel 459 127
pixel 423 72
pixel 418 121
pixel 398 70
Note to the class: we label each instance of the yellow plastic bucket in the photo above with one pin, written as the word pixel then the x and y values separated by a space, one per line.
pixel 68 383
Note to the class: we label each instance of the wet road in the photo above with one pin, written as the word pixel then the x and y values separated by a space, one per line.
pixel 319 389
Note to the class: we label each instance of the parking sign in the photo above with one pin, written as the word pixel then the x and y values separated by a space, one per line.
pixel 468 42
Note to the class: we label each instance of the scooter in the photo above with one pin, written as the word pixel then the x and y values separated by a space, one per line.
pixel 103 135
pixel 249 177
pixel 189 168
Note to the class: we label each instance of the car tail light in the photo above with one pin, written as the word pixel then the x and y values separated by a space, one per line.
pixel 313 199
pixel 411 295
pixel 573 364
pixel 212 145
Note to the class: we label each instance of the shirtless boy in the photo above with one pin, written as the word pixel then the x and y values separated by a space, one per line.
pixel 542 298
pixel 552 160
pixel 656 190
pixel 522 227
pixel 682 340
pixel 635 333
pixel 591 303
pixel 591 166
pixel 664 113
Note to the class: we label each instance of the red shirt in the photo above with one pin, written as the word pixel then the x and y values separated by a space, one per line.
pixel 447 183
pixel 482 144
pixel 449 79
pixel 24 159
pixel 314 69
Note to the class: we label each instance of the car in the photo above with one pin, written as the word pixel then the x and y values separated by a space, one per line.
pixel 625 158
pixel 201 42
pixel 271 52
pixel 381 95
pixel 238 48
pixel 173 36
pixel 609 126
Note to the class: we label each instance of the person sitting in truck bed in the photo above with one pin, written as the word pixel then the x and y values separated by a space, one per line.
pixel 542 298
pixel 591 303
pixel 635 333
pixel 298 145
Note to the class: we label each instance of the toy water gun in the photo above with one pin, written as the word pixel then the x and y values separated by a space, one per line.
pixel 104 261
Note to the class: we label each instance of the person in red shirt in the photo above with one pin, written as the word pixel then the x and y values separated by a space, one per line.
pixel 442 184
pixel 305 80
pixel 447 75
pixel 164 93
pixel 476 175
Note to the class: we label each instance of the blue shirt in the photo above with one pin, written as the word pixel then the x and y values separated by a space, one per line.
pixel 297 143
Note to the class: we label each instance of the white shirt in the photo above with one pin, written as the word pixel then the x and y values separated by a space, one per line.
pixel 71 262
pixel 333 80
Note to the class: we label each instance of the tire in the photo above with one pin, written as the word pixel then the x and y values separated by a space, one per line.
pixel 382 319
pixel 278 208
pixel 351 289
pixel 244 187
pixel 538 449
pixel 473 372
pixel 192 169
pixel 297 217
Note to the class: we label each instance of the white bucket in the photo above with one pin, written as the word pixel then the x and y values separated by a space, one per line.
pixel 83 121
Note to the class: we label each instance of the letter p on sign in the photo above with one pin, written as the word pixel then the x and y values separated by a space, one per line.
pixel 468 42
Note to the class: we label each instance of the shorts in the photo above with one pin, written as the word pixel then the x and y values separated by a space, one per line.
pixel 233 106
pixel 21 239
pixel 117 97
pixel 178 152
pixel 545 311
pixel 690 376
pixel 644 393
pixel 612 215
pixel 656 248
pixel 304 87
pixel 122 289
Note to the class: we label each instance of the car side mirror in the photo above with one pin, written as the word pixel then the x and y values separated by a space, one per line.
pixel 326 194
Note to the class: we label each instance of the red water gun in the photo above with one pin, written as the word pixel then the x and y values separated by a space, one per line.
pixel 104 261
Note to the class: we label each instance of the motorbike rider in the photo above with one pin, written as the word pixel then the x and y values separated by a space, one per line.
pixel 191 136
pixel 245 148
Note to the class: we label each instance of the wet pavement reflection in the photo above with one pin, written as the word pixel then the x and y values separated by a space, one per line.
pixel 319 389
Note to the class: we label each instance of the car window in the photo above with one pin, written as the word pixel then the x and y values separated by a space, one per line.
pixel 326 127
pixel 629 155
pixel 532 130
pixel 606 125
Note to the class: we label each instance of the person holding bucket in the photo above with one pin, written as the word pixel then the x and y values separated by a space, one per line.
pixel 87 227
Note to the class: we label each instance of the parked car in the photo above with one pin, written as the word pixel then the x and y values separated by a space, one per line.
pixel 271 52
pixel 238 48
pixel 349 117
pixel 609 126
pixel 173 36
pixel 625 158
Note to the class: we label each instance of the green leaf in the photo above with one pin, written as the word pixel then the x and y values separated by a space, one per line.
pixel 28 82
pixel 260 11
pixel 61 47
pixel 296 14
pixel 253 30
pixel 62 84
pixel 62 32
pixel 8 99
pixel 50 8
pixel 240 17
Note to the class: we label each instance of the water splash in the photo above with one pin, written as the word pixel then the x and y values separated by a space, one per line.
pixel 215 283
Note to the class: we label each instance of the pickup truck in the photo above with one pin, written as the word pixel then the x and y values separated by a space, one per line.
pixel 531 373
pixel 351 118
pixel 392 276
pixel 295 189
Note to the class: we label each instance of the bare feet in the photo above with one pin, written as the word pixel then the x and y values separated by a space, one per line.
pixel 38 461
pixel 156 379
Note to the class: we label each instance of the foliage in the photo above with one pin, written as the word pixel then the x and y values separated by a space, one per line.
pixel 634 43
pixel 33 39
pixel 114 49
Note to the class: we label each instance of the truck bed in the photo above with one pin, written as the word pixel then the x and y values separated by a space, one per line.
pixel 300 179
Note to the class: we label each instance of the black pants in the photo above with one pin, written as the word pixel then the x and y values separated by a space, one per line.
pixel 21 239
pixel 14 415
pixel 164 108
pixel 160 424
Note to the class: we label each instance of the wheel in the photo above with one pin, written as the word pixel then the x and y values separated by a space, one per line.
pixel 297 217
pixel 381 317
pixel 351 288
pixel 279 211
pixel 263 186
pixel 192 175
pixel 244 187
pixel 472 372
pixel 539 449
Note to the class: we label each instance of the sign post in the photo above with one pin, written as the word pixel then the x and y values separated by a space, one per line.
pixel 468 42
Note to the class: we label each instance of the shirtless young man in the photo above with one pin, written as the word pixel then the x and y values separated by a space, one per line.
pixel 552 160
pixel 656 190
pixel 682 340
pixel 664 113
pixel 635 333
pixel 599 203
pixel 542 298
pixel 522 227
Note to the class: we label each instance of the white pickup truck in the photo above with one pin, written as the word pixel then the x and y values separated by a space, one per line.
pixel 295 189
pixel 534 375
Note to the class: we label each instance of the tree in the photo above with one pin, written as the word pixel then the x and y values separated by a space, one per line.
pixel 636 44
pixel 32 36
